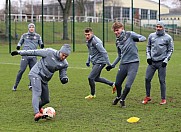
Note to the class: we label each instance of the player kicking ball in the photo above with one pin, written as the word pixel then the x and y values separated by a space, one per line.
pixel 52 60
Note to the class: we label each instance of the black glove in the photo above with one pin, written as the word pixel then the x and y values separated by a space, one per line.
pixel 164 64
pixel 108 68
pixel 18 47
pixel 14 53
pixel 64 80
pixel 135 39
pixel 42 46
pixel 149 61
pixel 87 64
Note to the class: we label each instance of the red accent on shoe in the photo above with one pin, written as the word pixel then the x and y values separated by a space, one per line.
pixel 163 102
pixel 41 110
pixel 146 100
pixel 114 90
pixel 38 116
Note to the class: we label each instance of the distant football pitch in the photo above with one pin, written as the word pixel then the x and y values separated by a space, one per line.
pixel 74 113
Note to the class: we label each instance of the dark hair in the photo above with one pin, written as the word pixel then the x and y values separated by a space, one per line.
pixel 88 29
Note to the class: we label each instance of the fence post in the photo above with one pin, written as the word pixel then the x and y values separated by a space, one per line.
pixel 103 22
pixel 140 26
pixel 107 29
pixel 53 31
pixel 9 26
pixel 15 33
pixel 42 23
pixel 73 15
pixel 173 28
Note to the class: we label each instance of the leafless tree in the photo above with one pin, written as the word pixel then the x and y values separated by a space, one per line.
pixel 174 2
pixel 65 11
pixel 80 4
pixel 177 2
pixel 27 7
pixel 14 7
pixel 114 4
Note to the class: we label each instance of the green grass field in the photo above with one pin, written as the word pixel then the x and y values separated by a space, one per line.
pixel 75 114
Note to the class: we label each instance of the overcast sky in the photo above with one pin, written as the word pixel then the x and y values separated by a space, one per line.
pixel 2 4
pixel 167 2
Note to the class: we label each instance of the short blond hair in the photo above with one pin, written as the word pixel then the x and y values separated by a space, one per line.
pixel 117 25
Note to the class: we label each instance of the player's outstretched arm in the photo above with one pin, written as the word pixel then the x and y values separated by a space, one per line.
pixel 38 52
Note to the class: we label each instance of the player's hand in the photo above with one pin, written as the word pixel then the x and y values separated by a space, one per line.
pixel 14 53
pixel 42 46
pixel 87 64
pixel 164 64
pixel 135 39
pixel 149 61
pixel 108 68
pixel 18 47
pixel 64 80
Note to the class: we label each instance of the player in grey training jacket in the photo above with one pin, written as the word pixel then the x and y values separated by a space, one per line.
pixel 29 41
pixel 129 60
pixel 52 60
pixel 99 58
pixel 159 50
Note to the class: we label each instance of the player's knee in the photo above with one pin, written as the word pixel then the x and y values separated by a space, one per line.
pixel 162 81
pixel 97 79
pixel 118 84
pixel 127 87
pixel 90 80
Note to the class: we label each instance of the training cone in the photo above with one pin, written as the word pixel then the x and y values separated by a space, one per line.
pixel 133 119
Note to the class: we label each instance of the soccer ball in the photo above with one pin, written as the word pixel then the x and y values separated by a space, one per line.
pixel 49 111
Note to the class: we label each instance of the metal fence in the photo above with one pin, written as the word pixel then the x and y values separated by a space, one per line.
pixel 52 28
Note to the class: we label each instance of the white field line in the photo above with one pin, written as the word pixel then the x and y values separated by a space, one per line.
pixel 4 63
pixel 86 68
pixel 16 64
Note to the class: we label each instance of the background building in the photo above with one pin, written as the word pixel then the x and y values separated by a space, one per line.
pixel 172 18
pixel 145 12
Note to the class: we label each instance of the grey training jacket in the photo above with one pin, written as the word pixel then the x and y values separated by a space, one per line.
pixel 159 48
pixel 127 49
pixel 97 53
pixel 30 41
pixel 48 64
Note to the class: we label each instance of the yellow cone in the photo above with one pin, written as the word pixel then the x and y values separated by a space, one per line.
pixel 133 119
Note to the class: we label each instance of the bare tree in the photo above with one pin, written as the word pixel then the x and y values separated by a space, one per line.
pixel 177 2
pixel 137 15
pixel 66 11
pixel 14 7
pixel 80 4
pixel 27 7
pixel 114 4
pixel 174 2
pixel 37 9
